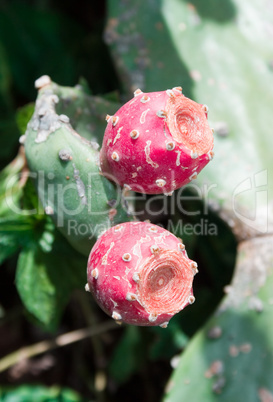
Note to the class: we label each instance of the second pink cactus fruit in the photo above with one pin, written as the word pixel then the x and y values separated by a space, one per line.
pixel 140 274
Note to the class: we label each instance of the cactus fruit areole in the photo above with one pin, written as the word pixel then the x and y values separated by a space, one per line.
pixel 139 273
pixel 157 142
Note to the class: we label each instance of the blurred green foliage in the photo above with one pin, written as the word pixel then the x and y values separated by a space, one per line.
pixel 28 393
pixel 44 37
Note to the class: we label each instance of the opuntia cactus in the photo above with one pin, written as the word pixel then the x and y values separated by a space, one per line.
pixel 157 142
pixel 140 274
pixel 64 165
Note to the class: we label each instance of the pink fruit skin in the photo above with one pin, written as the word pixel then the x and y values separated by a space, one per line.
pixel 166 152
pixel 139 273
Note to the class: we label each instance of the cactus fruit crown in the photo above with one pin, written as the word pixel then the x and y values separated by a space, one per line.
pixel 139 273
pixel 157 142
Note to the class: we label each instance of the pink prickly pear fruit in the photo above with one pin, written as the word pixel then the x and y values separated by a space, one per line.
pixel 140 274
pixel 157 142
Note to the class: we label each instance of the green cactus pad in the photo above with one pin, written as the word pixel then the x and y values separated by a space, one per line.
pixel 64 165
pixel 231 358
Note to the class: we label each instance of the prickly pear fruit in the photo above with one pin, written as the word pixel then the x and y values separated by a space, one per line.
pixel 157 142
pixel 139 273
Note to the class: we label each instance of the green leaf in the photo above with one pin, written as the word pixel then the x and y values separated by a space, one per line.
pixel 35 393
pixel 11 187
pixel 47 273
pixel 14 234
pixel 169 342
pixel 21 217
